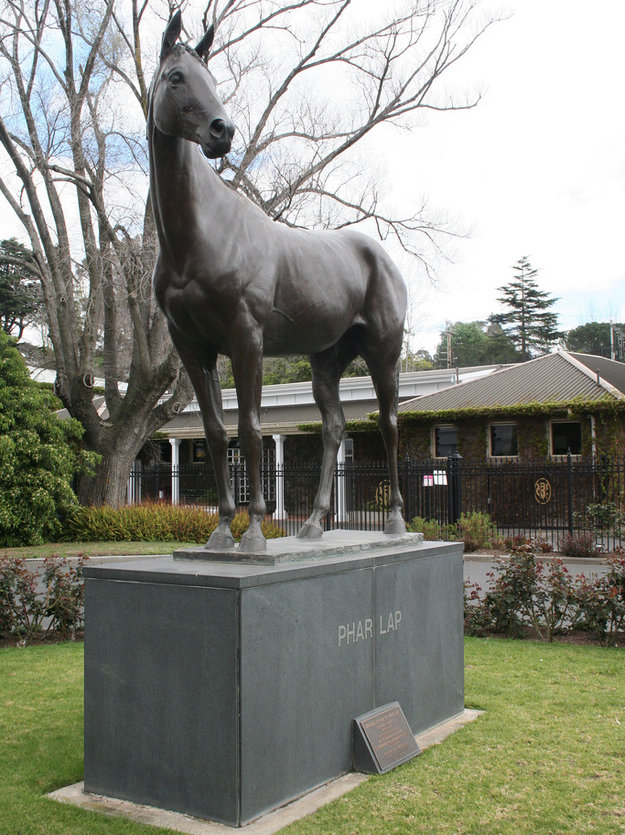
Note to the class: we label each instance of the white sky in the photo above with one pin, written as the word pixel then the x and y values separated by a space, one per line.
pixel 537 169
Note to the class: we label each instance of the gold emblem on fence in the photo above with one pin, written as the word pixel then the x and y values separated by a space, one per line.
pixel 542 490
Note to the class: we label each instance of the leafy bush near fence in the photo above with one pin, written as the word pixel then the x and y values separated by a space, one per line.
pixel 525 593
pixel 475 529
pixel 432 530
pixel 37 605
pixel 151 522
pixel 579 545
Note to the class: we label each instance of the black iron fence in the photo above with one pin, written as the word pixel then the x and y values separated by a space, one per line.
pixel 538 500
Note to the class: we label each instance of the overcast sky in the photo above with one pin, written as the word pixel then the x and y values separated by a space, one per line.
pixel 537 169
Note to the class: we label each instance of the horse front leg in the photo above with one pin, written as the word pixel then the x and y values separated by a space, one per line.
pixel 247 368
pixel 221 538
pixel 205 382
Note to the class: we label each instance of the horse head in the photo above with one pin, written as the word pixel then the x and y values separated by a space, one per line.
pixel 183 96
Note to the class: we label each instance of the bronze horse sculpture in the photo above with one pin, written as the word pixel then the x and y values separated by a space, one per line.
pixel 232 281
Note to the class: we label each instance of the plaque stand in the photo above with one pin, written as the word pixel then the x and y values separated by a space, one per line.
pixel 223 690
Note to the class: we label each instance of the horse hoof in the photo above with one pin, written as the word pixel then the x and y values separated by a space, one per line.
pixel 395 526
pixel 220 541
pixel 252 543
pixel 309 531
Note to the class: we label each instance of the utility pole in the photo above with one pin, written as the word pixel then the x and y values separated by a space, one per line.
pixel 617 343
pixel 448 334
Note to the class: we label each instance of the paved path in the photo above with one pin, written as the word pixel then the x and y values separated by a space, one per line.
pixel 477 566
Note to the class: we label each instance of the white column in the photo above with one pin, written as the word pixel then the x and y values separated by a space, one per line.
pixel 340 503
pixel 175 470
pixel 134 484
pixel 280 512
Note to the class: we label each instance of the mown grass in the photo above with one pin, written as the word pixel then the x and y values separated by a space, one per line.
pixel 93 549
pixel 545 757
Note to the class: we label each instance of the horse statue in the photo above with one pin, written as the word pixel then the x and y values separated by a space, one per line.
pixel 232 281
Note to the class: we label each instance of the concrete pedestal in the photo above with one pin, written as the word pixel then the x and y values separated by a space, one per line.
pixel 223 690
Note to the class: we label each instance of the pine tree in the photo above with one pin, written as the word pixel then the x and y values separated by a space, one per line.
pixel 21 299
pixel 528 322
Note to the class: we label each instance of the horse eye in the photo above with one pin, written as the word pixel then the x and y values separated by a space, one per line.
pixel 176 78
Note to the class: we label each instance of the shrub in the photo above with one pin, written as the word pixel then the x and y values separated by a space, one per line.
pixel 600 602
pixel 523 592
pixel 36 604
pixel 579 545
pixel 21 609
pixel 477 620
pixel 606 516
pixel 151 522
pixel 513 543
pixel 39 455
pixel 477 531
pixel 432 530
pixel 65 594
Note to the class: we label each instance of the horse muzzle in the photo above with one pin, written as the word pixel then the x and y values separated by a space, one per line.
pixel 219 140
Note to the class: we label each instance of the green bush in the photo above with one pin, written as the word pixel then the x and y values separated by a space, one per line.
pixel 477 531
pixel 606 517
pixel 432 530
pixel 151 522
pixel 39 455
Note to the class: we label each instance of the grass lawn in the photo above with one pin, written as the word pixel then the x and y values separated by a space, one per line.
pixel 546 757
pixel 93 549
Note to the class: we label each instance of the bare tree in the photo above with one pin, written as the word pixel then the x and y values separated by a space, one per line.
pixel 306 82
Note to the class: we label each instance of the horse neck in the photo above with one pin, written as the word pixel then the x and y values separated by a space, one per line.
pixel 183 185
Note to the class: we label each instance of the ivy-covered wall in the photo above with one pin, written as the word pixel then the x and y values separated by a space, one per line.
pixel 308 448
pixel 610 434
pixel 533 433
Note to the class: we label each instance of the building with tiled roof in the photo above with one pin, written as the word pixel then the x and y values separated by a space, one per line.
pixel 548 407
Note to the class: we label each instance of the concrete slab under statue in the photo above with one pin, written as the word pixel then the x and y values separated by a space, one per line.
pixel 226 689
pixel 291 549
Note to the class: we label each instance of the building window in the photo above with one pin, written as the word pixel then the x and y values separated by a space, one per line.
pixel 503 439
pixel 445 441
pixel 566 436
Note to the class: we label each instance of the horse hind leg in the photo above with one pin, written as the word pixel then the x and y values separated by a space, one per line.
pixel 247 366
pixel 327 368
pixel 384 375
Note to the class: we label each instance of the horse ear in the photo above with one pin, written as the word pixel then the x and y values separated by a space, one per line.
pixel 171 34
pixel 204 46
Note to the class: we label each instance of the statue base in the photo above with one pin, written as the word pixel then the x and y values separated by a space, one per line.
pixel 289 549
pixel 225 689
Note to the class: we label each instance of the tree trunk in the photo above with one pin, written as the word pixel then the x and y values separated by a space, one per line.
pixel 110 483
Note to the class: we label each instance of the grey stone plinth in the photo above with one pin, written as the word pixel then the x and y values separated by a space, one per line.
pixel 223 690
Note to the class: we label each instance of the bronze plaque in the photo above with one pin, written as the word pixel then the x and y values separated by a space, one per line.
pixel 387 737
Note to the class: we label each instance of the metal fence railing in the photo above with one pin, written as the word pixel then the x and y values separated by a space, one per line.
pixel 536 499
